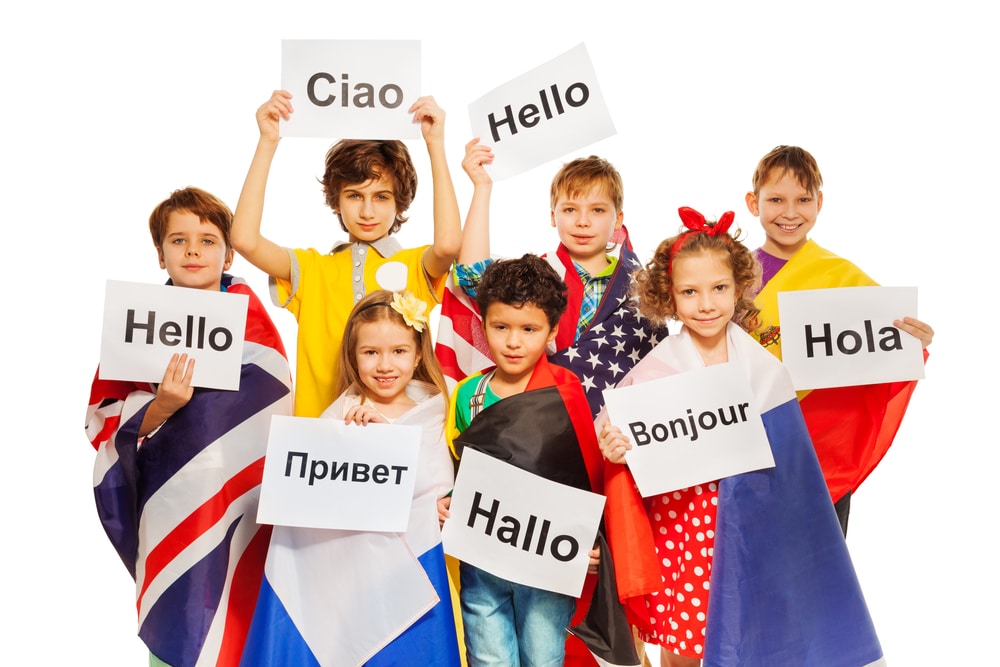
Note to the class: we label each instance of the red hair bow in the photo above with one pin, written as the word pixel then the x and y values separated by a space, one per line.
pixel 695 221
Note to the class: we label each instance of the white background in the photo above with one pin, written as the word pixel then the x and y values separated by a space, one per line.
pixel 109 106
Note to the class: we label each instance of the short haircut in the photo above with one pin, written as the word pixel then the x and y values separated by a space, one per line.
pixel 205 205
pixel 581 176
pixel 792 159
pixel 515 282
pixel 355 161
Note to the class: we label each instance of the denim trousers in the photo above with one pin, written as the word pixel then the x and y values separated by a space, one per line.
pixel 511 624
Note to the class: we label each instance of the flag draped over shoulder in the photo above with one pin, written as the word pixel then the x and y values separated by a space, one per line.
pixel 335 598
pixel 613 342
pixel 783 588
pixel 548 430
pixel 180 505
pixel 851 427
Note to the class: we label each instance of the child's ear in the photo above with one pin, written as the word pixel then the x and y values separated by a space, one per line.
pixel 553 215
pixel 159 254
pixel 552 334
pixel 751 200
pixel 229 259
pixel 619 220
pixel 819 201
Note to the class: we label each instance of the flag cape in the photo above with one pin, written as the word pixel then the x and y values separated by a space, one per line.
pixel 336 598
pixel 783 588
pixel 851 427
pixel 180 505
pixel 548 431
pixel 615 339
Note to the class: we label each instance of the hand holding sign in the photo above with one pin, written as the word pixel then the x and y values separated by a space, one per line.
pixel 431 118
pixel 270 113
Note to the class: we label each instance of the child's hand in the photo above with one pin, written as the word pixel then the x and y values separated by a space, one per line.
pixel 613 443
pixel 364 414
pixel 476 155
pixel 175 391
pixel 431 118
pixel 279 107
pixel 444 507
pixel 595 560
pixel 916 328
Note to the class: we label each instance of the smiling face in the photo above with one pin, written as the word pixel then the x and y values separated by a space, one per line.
pixel 704 294
pixel 517 338
pixel 585 222
pixel 386 353
pixel 194 252
pixel 368 210
pixel 787 212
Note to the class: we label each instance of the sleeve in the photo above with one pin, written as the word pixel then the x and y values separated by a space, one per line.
pixel 284 291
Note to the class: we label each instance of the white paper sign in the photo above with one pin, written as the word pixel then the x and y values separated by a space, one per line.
pixel 144 325
pixel 690 428
pixel 323 473
pixel 359 89
pixel 844 336
pixel 521 527
pixel 542 115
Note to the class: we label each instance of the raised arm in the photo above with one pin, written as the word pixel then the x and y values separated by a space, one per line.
pixel 447 219
pixel 266 255
pixel 476 232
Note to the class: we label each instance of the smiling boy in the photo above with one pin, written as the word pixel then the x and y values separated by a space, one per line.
pixel 368 185
pixel 851 427
pixel 178 468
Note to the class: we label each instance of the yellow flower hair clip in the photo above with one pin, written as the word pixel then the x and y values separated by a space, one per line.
pixel 413 310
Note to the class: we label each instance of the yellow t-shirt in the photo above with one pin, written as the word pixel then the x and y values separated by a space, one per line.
pixel 321 294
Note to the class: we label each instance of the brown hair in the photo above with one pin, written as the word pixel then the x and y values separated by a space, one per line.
pixel 581 175
pixel 515 282
pixel 205 205
pixel 374 307
pixel 792 159
pixel 354 161
pixel 653 288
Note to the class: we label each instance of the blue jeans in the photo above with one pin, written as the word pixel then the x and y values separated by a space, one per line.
pixel 510 624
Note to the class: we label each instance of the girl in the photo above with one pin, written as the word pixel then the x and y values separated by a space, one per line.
pixel 750 569
pixel 388 602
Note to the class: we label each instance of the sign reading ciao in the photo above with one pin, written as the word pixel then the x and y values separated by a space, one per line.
pixel 323 473
pixel 144 325
pixel 359 89
pixel 844 336
pixel 542 115
pixel 690 428
pixel 521 527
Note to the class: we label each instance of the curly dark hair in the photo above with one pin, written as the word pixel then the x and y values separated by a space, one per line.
pixel 652 286
pixel 515 282
pixel 353 161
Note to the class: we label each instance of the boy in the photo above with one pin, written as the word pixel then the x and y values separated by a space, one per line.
pixel 178 468
pixel 534 415
pixel 586 198
pixel 851 427
pixel 368 185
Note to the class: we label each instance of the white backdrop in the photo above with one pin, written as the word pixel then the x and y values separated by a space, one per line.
pixel 111 105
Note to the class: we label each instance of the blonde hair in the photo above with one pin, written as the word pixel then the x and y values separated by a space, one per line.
pixel 375 307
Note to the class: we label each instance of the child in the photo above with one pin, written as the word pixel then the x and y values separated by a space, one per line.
pixel 369 186
pixel 586 200
pixel 178 468
pixel 851 427
pixel 781 589
pixel 388 375
pixel 534 415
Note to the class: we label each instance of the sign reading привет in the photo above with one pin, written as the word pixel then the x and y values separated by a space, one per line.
pixel 690 428
pixel 359 89
pixel 144 325
pixel 542 115
pixel 323 473
pixel 844 336
pixel 521 527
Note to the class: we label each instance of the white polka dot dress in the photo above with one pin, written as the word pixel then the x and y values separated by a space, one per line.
pixel 684 533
